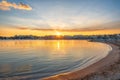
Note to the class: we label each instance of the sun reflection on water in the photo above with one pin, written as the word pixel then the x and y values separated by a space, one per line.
pixel 58 45
pixel 25 56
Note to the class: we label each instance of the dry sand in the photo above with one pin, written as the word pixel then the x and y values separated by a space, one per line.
pixel 90 72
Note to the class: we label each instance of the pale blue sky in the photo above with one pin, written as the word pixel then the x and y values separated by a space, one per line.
pixel 62 14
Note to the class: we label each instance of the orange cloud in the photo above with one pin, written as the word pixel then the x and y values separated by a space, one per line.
pixel 4 5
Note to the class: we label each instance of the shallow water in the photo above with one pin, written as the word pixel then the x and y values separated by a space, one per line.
pixel 36 59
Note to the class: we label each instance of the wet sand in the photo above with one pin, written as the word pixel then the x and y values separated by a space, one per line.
pixel 88 72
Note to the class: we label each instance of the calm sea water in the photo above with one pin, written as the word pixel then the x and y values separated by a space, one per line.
pixel 36 59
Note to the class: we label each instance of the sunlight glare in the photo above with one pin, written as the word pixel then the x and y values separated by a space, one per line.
pixel 58 33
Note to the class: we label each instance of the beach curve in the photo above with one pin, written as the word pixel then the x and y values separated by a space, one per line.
pixel 112 57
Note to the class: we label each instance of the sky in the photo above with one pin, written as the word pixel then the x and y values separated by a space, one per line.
pixel 68 17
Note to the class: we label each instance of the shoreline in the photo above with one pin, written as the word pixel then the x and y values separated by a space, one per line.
pixel 111 58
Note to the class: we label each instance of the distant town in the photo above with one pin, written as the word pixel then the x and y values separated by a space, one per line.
pixel 114 37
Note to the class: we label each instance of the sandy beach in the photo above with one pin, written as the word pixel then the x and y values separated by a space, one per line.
pixel 95 71
pixel 111 72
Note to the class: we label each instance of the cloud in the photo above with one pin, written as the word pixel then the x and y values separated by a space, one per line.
pixel 109 25
pixel 104 26
pixel 4 5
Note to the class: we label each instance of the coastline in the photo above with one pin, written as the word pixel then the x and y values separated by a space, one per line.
pixel 84 74
pixel 112 72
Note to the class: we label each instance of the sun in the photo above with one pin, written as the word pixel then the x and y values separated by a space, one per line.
pixel 58 33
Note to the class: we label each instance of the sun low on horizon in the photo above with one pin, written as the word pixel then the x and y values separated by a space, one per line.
pixel 59 17
pixel 58 33
pixel 59 39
